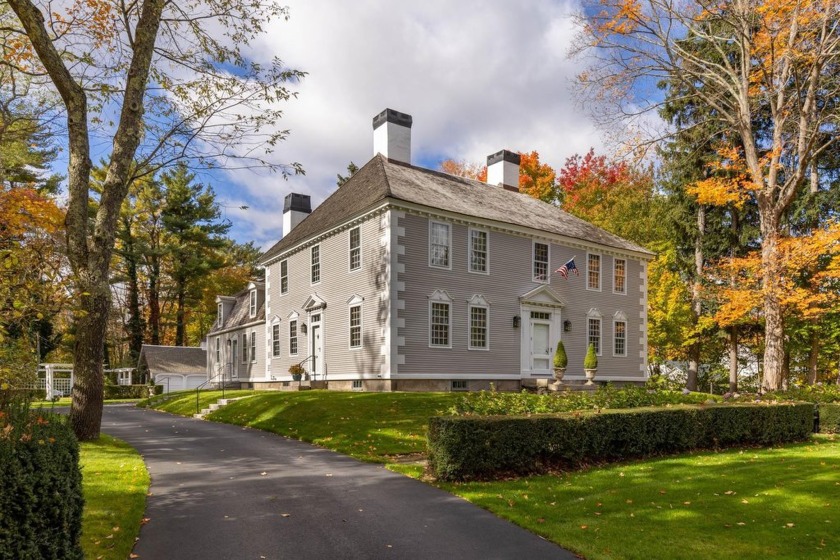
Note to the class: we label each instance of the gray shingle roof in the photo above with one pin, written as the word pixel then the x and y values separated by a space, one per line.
pixel 382 178
pixel 173 359
pixel 240 313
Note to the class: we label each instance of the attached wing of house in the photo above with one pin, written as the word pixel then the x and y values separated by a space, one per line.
pixel 174 367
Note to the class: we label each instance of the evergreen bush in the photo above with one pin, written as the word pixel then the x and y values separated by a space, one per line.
pixel 591 359
pixel 561 360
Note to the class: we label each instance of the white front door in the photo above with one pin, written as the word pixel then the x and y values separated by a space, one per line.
pixel 317 349
pixel 540 346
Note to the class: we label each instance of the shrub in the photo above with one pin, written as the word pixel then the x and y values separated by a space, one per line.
pixel 561 360
pixel 591 359
pixel 132 391
pixel 41 498
pixel 480 447
pixel 829 418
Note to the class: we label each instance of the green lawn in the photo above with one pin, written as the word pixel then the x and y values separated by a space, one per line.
pixel 115 483
pixel 781 502
pixel 183 402
pixel 376 427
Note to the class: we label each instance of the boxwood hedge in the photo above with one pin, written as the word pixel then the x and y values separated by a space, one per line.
pixel 468 447
pixel 40 486
pixel 829 418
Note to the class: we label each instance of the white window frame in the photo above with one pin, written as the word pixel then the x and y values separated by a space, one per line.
pixel 619 318
pixel 253 347
pixel 478 303
pixel 486 233
pixel 351 248
pixel 547 278
pixel 275 340
pixel 284 277
pixel 252 304
pixel 351 327
pixel 442 298
pixel 218 350
pixel 313 265
pixel 595 315
pixel 449 259
pixel 294 334
pixel 615 268
pixel 220 313
pixel 600 271
pixel 245 348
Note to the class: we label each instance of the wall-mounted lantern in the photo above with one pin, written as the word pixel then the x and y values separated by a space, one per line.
pixel 517 320
pixel 303 328
pixel 567 326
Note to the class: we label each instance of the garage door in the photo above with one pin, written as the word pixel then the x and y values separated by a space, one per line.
pixel 170 382
pixel 194 381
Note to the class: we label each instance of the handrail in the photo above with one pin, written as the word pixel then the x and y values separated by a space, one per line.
pixel 223 374
pixel 310 357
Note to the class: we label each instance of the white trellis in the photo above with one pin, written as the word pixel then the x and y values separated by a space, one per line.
pixel 55 385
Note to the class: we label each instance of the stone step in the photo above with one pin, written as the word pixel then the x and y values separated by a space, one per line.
pixel 199 416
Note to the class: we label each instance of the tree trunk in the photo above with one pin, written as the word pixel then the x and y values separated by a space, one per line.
pixel 813 357
pixel 696 304
pixel 774 350
pixel 733 359
pixel 154 301
pixel 180 330
pixel 135 318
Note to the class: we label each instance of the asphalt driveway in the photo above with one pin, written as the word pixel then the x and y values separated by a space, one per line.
pixel 225 492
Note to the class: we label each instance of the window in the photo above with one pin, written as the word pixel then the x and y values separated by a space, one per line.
pixel 275 340
pixel 357 383
pixel 478 328
pixel 440 244
pixel 459 385
pixel 218 351
pixel 244 348
pixel 478 251
pixel 595 334
pixel 593 272
pixel 316 264
pixel 355 248
pixel 284 277
pixel 356 326
pixel 541 315
pixel 293 338
pixel 540 262
pixel 620 340
pixel 219 314
pixel 253 346
pixel 619 276
pixel 439 324
pixel 252 306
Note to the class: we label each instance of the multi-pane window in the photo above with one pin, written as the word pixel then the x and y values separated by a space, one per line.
pixel 595 334
pixel 275 340
pixel 316 264
pixel 219 314
pixel 355 248
pixel 252 306
pixel 218 351
pixel 253 346
pixel 478 328
pixel 540 262
pixel 478 250
pixel 244 348
pixel 620 276
pixel 593 272
pixel 620 341
pixel 356 326
pixel 439 244
pixel 439 324
pixel 284 277
pixel 293 338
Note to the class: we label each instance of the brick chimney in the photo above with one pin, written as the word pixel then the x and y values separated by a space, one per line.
pixel 392 135
pixel 503 170
pixel 295 209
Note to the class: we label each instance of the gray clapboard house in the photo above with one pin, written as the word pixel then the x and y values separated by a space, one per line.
pixel 411 279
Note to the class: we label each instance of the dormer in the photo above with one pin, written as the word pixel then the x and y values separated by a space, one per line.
pixel 224 305
pixel 256 296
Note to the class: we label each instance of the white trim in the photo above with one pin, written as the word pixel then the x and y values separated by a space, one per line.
pixel 350 249
pixel 615 260
pixel 555 334
pixel 252 303
pixel 600 271
pixel 449 254
pixel 440 297
pixel 486 233
pixel 355 300
pixel 252 347
pixel 239 327
pixel 312 265
pixel 296 337
pixel 350 327
pixel 474 304
pixel 246 352
pixel 275 343
pixel 283 277
pixel 617 319
pixel 220 314
pixel 534 262
pixel 600 349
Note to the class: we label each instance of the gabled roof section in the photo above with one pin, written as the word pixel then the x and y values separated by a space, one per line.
pixel 543 295
pixel 173 359
pixel 382 179
pixel 240 312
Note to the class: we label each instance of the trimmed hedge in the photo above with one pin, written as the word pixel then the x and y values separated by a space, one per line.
pixel 40 487
pixel 829 418
pixel 132 391
pixel 468 447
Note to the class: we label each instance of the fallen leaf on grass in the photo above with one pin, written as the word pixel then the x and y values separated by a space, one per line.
pixel 285 515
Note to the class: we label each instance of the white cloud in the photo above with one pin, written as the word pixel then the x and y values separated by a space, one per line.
pixel 477 76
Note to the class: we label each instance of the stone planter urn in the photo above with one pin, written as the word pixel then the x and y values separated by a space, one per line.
pixel 590 364
pixel 559 372
pixel 590 375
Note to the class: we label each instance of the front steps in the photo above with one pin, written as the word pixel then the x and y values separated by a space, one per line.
pixel 216 406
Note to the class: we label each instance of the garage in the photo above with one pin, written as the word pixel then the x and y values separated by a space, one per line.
pixel 176 368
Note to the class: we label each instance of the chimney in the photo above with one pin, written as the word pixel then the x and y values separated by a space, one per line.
pixel 295 209
pixel 392 135
pixel 503 170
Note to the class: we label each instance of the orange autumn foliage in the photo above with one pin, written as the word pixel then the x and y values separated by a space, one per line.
pixel 464 169
pixel 536 179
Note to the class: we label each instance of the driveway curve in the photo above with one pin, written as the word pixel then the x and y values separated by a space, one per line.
pixel 225 492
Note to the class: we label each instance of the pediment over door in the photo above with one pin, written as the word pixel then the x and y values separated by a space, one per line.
pixel 542 296
pixel 314 302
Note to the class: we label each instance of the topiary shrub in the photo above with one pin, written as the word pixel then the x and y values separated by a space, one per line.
pixel 561 360
pixel 41 497
pixel 591 359
pixel 829 418
pixel 469 447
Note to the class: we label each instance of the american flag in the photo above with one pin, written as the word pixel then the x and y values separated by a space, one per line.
pixel 564 270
